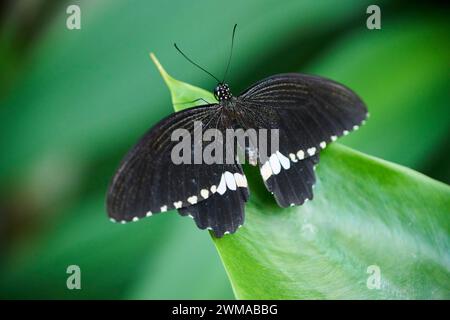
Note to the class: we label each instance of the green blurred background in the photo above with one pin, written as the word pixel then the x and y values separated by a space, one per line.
pixel 72 102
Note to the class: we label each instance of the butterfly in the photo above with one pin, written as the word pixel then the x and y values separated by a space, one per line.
pixel 308 111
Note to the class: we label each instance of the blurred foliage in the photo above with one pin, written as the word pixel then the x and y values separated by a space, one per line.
pixel 73 101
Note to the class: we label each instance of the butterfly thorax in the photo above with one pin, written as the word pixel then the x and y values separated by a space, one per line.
pixel 222 92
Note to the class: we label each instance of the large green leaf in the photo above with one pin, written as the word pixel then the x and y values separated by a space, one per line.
pixel 367 214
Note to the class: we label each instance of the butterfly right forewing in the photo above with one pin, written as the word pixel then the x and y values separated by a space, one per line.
pixel 309 109
pixel 309 112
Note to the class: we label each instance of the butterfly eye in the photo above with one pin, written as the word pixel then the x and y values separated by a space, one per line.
pixel 217 93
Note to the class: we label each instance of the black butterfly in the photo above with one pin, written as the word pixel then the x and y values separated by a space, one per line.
pixel 309 111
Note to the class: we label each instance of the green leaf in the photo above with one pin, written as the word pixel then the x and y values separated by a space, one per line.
pixel 367 214
pixel 183 94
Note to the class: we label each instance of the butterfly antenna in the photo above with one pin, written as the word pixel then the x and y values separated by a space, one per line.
pixel 195 64
pixel 231 53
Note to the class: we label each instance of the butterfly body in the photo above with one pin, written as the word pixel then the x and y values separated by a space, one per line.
pixel 308 112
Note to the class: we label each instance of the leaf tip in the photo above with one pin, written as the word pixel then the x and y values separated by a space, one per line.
pixel 160 68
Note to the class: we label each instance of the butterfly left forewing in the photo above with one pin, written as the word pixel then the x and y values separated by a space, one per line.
pixel 149 182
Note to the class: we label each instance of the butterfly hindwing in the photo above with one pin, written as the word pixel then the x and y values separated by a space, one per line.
pixel 223 213
pixel 293 185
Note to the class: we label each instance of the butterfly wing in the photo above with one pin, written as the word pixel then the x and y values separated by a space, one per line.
pixel 221 213
pixel 309 109
pixel 310 112
pixel 149 182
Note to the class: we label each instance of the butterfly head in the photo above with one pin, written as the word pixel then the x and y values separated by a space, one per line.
pixel 222 92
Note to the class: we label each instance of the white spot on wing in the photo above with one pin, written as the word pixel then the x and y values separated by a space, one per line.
pixel 284 161
pixel 323 144
pixel 229 179
pixel 192 200
pixel 178 204
pixel 112 220
pixel 345 132
pixel 213 188
pixel 266 171
pixel 333 138
pixel 135 219
pixel 300 155
pixel 293 158
pixel 204 193
pixel 163 208
pixel 241 180
pixel 311 151
pixel 222 185
pixel 149 214
pixel 275 164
